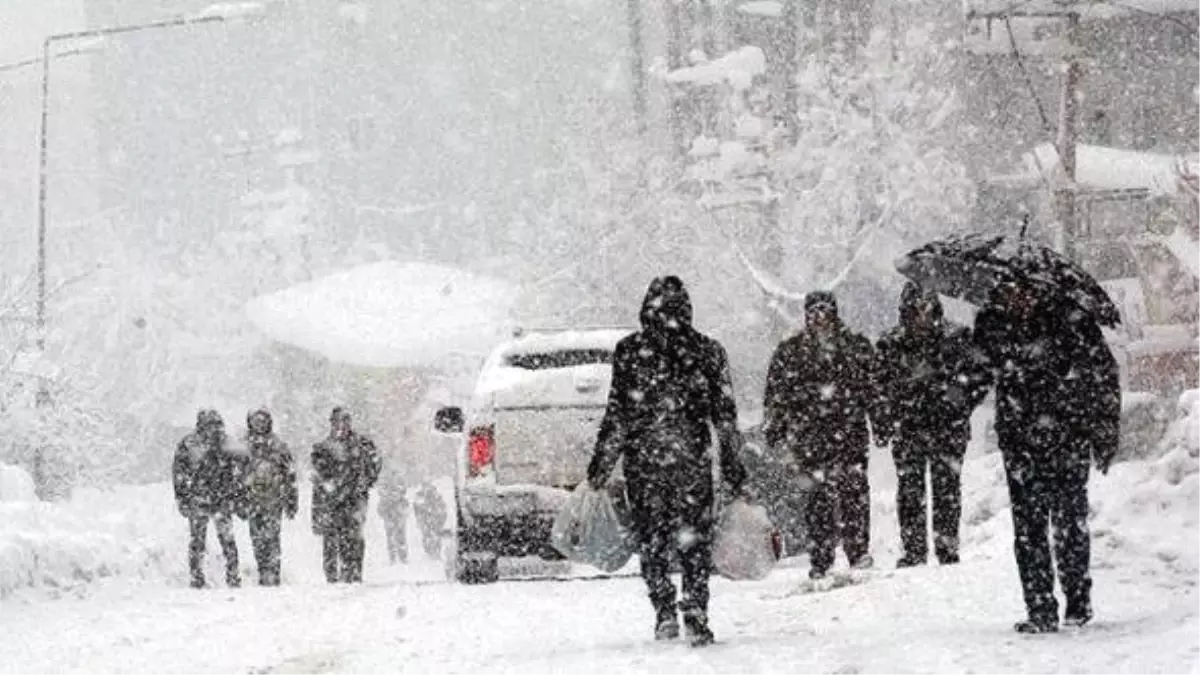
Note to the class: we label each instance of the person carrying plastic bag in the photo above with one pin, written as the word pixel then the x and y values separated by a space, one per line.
pixel 671 390
pixel 747 544
pixel 589 530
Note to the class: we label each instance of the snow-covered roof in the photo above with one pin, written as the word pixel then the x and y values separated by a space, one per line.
pixel 1087 9
pixel 390 314
pixel 762 8
pixel 738 67
pixel 1111 169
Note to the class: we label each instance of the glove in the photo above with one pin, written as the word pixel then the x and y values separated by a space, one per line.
pixel 185 510
pixel 291 510
pixel 1103 464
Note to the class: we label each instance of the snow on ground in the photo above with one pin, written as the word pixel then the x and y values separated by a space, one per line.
pixel 405 619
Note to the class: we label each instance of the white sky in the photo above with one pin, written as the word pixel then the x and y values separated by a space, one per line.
pixel 24 23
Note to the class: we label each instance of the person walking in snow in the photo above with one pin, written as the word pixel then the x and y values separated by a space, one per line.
pixel 346 466
pixel 207 477
pixel 821 389
pixel 932 382
pixel 430 510
pixel 1058 409
pixel 669 384
pixel 393 510
pixel 270 491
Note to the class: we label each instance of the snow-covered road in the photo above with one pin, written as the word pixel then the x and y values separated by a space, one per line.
pixel 97 584
pixel 925 620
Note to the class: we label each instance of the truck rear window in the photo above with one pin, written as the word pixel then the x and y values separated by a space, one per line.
pixel 564 358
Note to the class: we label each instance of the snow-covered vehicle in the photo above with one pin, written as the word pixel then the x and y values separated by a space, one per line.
pixel 527 436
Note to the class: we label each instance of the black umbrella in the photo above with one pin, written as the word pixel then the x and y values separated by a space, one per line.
pixel 971 266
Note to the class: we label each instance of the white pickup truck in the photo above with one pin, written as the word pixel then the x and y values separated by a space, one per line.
pixel 529 433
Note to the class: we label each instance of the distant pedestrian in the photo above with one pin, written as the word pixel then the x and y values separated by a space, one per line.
pixel 430 510
pixel 208 477
pixel 271 493
pixel 346 466
pixel 393 510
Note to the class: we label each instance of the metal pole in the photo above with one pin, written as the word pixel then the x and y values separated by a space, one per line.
pixel 637 63
pixel 1067 140
pixel 41 222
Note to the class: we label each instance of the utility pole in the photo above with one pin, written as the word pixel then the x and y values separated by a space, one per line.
pixel 1068 138
pixel 1065 210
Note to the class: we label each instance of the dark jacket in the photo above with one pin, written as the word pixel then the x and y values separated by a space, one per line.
pixel 208 477
pixel 820 393
pixel 270 475
pixel 345 471
pixel 670 384
pixel 1058 389
pixel 930 376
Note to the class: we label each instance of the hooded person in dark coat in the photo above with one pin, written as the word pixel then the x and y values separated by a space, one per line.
pixel 1058 408
pixel 932 382
pixel 207 477
pixel 346 466
pixel 669 384
pixel 270 492
pixel 821 390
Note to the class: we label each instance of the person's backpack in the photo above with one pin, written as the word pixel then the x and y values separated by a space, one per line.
pixel 265 474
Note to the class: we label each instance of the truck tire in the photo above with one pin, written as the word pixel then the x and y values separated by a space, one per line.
pixel 477 568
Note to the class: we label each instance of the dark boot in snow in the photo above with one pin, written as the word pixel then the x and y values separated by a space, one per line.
pixel 699 634
pixel 816 574
pixel 666 626
pixel 863 562
pixel 1037 626
pixel 1079 612
pixel 909 561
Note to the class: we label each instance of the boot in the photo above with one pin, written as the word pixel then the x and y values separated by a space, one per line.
pixel 1079 612
pixel 699 634
pixel 909 561
pixel 863 562
pixel 666 625
pixel 1034 626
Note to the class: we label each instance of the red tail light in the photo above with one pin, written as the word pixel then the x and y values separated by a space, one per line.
pixel 481 450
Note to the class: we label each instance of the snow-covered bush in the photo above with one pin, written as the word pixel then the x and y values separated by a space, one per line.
pixel 94 536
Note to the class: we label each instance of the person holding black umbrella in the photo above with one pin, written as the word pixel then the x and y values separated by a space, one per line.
pixel 1058 408
pixel 1058 398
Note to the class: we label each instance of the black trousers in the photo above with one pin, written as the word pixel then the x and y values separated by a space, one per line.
pixel 1048 489
pixel 198 526
pixel 265 531
pixel 343 547
pixel 941 458
pixel 672 515
pixel 839 507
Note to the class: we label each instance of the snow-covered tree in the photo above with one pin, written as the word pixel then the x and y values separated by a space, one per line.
pixel 869 168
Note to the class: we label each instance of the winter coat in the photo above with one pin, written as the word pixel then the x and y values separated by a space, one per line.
pixel 820 393
pixel 271 477
pixel 670 385
pixel 208 477
pixel 930 377
pixel 345 471
pixel 1058 390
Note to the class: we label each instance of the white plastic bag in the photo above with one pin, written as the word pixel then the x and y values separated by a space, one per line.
pixel 588 530
pixel 746 545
